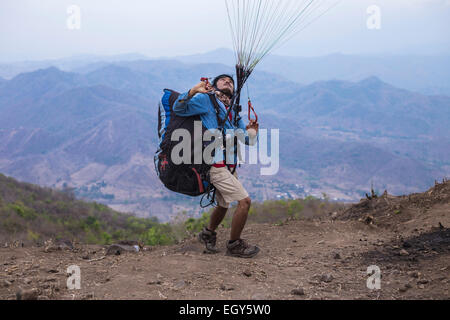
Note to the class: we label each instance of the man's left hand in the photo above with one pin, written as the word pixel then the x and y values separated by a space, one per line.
pixel 253 125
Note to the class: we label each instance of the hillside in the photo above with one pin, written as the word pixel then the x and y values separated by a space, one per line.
pixel 30 214
pixel 321 257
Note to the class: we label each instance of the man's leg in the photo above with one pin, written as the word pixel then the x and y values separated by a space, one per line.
pixel 236 246
pixel 217 217
pixel 240 218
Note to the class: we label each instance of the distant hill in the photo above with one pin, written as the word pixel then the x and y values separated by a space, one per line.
pixel 10 70
pixel 96 132
pixel 425 74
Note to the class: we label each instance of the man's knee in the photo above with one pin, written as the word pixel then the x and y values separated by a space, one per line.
pixel 246 203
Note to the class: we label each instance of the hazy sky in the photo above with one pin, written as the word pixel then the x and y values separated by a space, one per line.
pixel 32 29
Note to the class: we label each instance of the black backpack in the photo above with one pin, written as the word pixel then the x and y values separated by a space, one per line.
pixel 188 179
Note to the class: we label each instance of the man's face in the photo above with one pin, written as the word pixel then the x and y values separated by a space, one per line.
pixel 226 85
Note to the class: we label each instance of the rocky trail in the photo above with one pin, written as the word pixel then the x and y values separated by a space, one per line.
pixel 408 238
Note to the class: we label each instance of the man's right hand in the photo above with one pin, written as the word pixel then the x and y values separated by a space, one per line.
pixel 201 87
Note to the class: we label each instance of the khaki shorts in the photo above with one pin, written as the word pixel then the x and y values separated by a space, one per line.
pixel 228 187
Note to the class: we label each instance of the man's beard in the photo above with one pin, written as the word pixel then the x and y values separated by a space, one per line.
pixel 223 96
pixel 227 91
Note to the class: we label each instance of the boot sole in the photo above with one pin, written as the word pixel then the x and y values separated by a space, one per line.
pixel 245 256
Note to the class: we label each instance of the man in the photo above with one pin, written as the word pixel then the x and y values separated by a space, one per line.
pixel 228 188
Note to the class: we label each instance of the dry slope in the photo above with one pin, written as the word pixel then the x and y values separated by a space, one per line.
pixel 406 237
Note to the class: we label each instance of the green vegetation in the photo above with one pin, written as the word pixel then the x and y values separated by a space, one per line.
pixel 34 214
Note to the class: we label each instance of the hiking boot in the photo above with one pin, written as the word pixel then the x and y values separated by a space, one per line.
pixel 241 249
pixel 208 238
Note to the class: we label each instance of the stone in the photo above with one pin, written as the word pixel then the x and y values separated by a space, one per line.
pixel 31 294
pixel 406 245
pixel 247 273
pixel 403 252
pixel 298 292
pixel 180 284
pixel 5 283
pixel 118 249
pixel 226 288
pixel 326 278
pixel 423 281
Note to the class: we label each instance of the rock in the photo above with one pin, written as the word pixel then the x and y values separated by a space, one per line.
pixel 118 249
pixel 53 271
pixel 154 282
pixel 50 279
pixel 414 274
pixel 64 244
pixel 423 281
pixel 403 252
pixel 27 280
pixel 88 296
pixel 247 273
pixel 58 245
pixel 337 256
pixel 137 244
pixel 298 292
pixel 43 298
pixel 225 288
pixel 5 283
pixel 406 245
pixel 369 219
pixel 31 294
pixel 85 257
pixel 326 278
pixel 405 287
pixel 180 284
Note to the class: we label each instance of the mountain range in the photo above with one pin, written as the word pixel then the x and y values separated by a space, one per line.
pixel 94 130
pixel 426 74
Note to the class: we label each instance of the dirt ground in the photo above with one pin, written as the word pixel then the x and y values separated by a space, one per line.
pixel 311 259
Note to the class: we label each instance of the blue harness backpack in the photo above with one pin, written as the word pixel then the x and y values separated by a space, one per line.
pixel 188 179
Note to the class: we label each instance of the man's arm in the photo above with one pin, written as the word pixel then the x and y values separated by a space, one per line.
pixel 194 102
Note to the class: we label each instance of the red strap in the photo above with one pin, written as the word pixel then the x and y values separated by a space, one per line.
pixel 223 165
pixel 231 115
pixel 250 109
pixel 199 181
